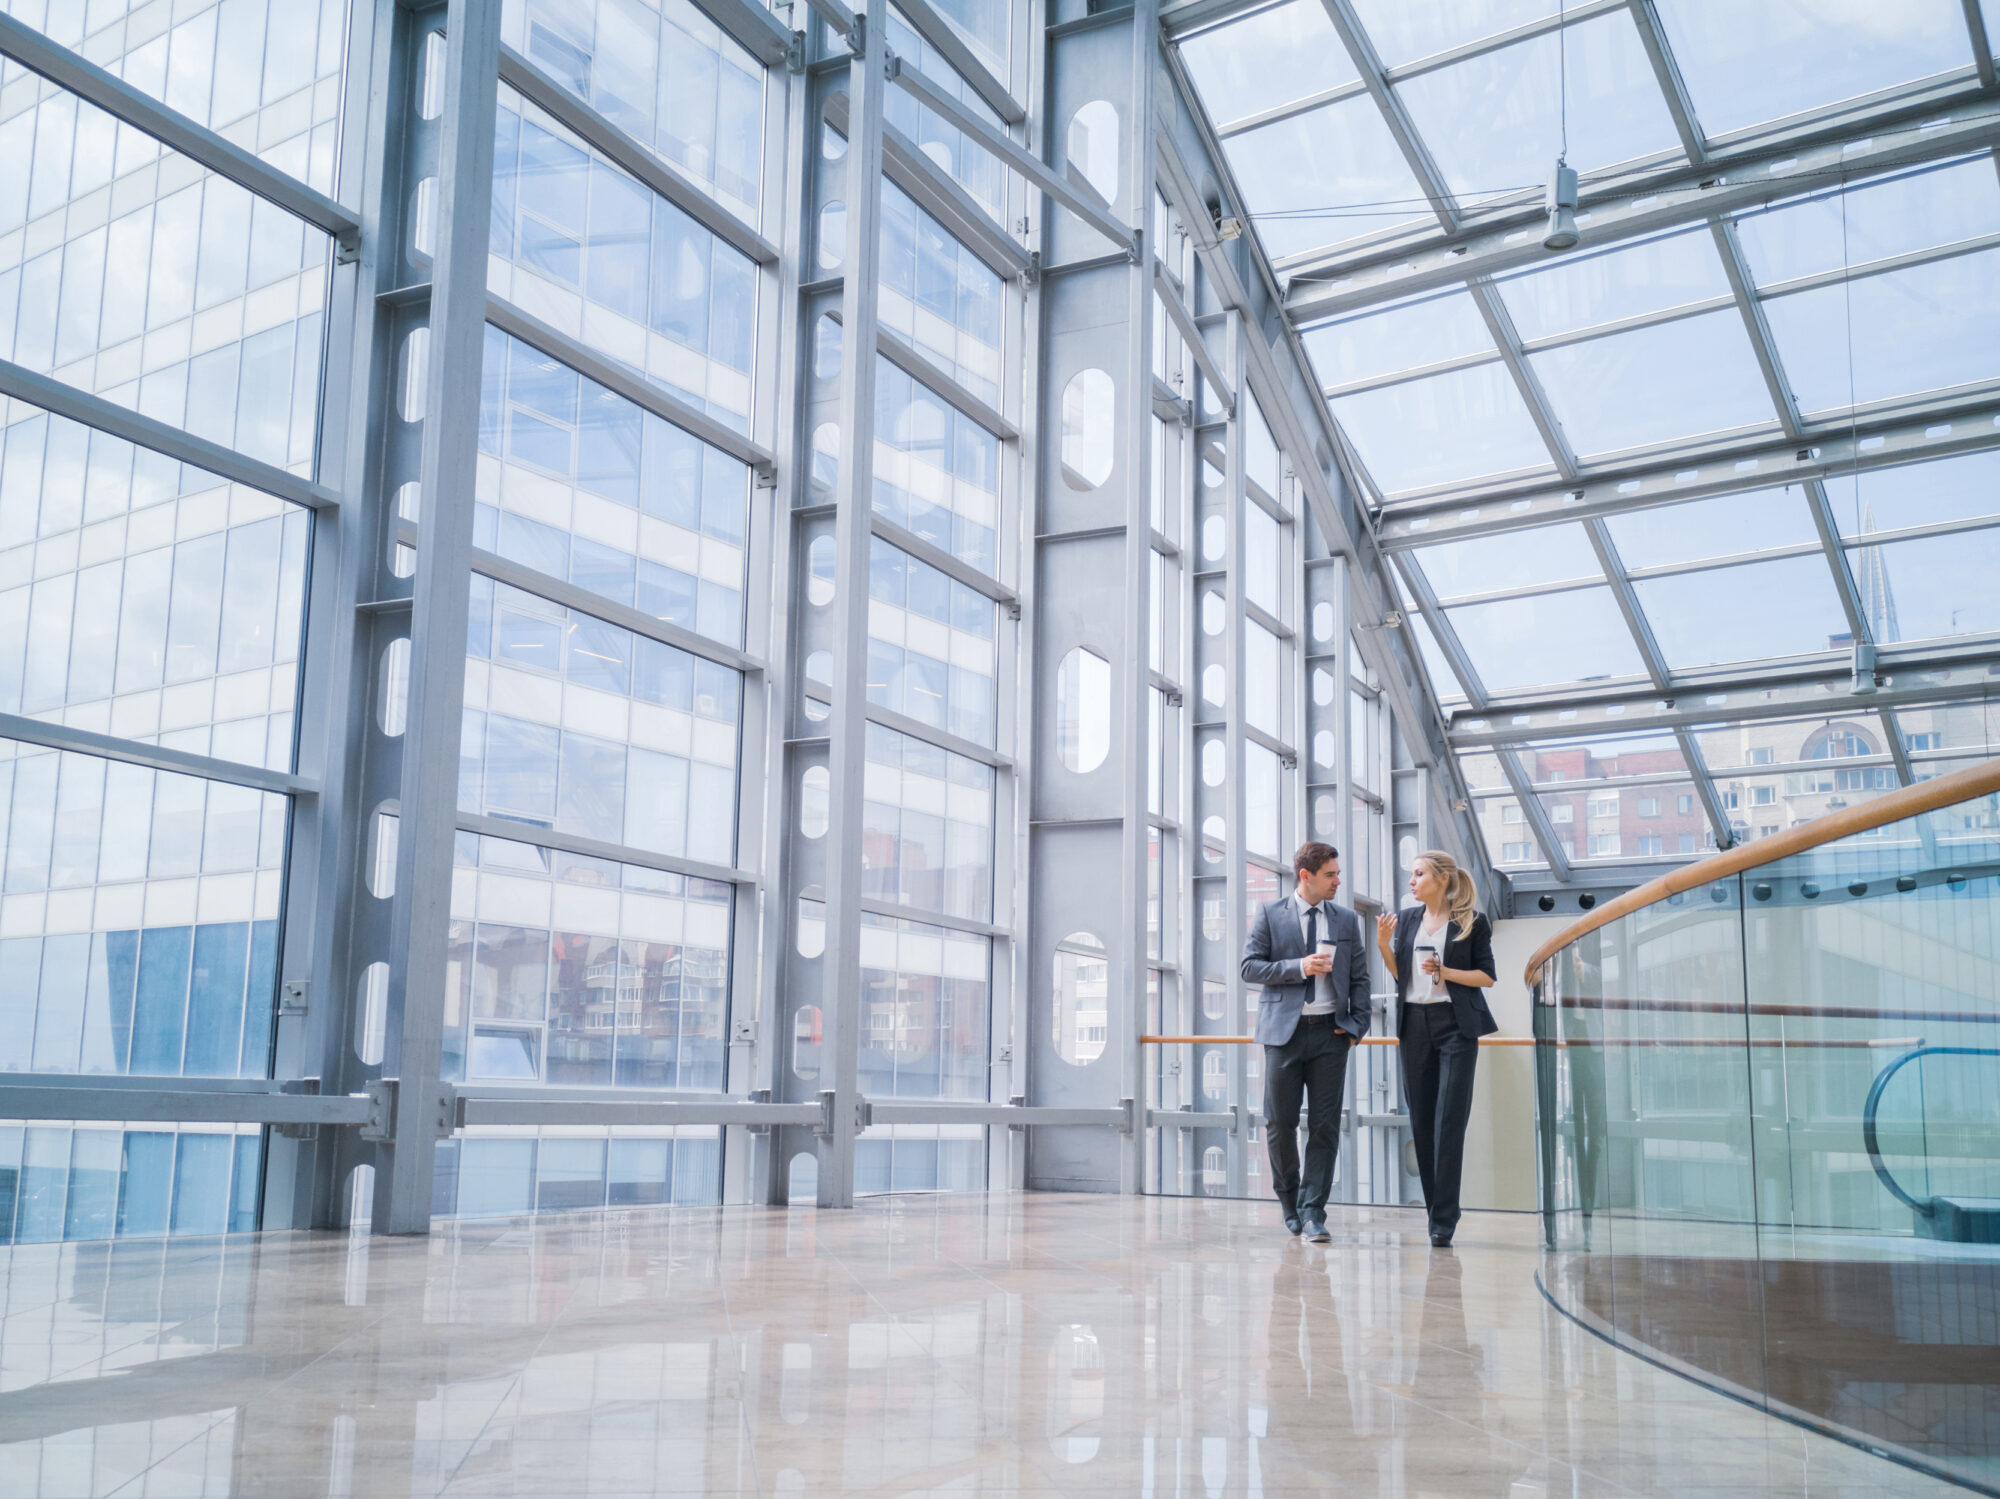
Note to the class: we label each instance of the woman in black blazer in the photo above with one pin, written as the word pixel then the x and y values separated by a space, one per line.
pixel 1441 955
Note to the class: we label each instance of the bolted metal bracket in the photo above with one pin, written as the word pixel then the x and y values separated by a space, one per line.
pixel 759 1095
pixel 795 53
pixel 824 1129
pixel 298 1087
pixel 292 995
pixel 864 1114
pixel 1131 1108
pixel 1031 274
pixel 743 1032
pixel 347 249
pixel 381 1125
pixel 1018 1101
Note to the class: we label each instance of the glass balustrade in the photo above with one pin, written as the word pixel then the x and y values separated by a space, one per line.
pixel 1770 1132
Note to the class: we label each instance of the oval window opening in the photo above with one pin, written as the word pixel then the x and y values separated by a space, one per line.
pixel 1322 686
pixel 382 830
pixel 1083 710
pixel 1093 146
pixel 812 923
pixel 826 348
pixel 1212 539
pixel 371 1016
pixel 1214 684
pixel 392 707
pixel 1322 621
pixel 825 455
pixel 1324 807
pixel 1087 422
pixel 812 801
pixel 805 1042
pixel 1214 613
pixel 1214 760
pixel 832 235
pixel 819 571
pixel 1082 991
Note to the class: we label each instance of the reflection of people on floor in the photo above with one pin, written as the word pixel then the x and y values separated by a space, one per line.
pixel 1310 1443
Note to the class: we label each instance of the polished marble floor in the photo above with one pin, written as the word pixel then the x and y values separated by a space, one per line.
pixel 1033 1344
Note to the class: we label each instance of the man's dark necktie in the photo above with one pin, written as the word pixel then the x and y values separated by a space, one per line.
pixel 1312 929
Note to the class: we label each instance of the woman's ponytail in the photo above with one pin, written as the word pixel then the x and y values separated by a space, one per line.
pixel 1459 894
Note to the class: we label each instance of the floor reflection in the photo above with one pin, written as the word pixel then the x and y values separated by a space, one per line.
pixel 964 1345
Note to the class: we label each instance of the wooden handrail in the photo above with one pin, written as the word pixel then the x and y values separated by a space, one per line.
pixel 1925 796
pixel 1364 1041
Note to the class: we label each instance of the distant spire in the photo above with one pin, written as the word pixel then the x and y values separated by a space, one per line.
pixel 1871 579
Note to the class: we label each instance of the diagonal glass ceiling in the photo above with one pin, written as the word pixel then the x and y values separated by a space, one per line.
pixel 1750 423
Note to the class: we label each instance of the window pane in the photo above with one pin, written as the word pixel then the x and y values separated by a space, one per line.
pixel 1784 608
pixel 930 645
pixel 1658 384
pixel 149 943
pixel 577 725
pixel 1509 559
pixel 584 972
pixel 585 486
pixel 145 598
pixel 939 295
pixel 1579 292
pixel 1733 524
pixel 1330 175
pixel 664 295
pixel 1482 408
pixel 193 305
pixel 1407 335
pixel 1932 587
pixel 1267 60
pixel 979 173
pixel 666 74
pixel 1832 229
pixel 1920 494
pixel 1557 637
pixel 937 472
pixel 924 1010
pixel 929 820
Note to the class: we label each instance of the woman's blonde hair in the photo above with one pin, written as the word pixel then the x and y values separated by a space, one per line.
pixel 1458 892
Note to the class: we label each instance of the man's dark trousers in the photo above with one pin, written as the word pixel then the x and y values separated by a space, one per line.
pixel 1438 1059
pixel 1312 1064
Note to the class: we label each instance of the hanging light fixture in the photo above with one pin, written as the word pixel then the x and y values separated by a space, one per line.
pixel 1561 199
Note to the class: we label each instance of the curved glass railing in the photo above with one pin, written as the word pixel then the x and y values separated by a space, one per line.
pixel 1768 1096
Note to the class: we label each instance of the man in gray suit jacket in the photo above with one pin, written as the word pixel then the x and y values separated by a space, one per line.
pixel 1310 959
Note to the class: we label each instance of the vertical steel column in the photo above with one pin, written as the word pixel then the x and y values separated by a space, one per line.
pixel 1137 448
pixel 854 491
pixel 429 784
pixel 1236 803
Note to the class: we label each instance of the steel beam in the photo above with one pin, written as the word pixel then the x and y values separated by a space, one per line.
pixel 60 736
pixel 1628 602
pixel 1922 431
pixel 1537 816
pixel 937 31
pixel 1704 787
pixel 753 25
pixel 912 361
pixel 1913 677
pixel 80 406
pixel 1362 49
pixel 1666 71
pixel 489 1108
pixel 1982 42
pixel 1197 346
pixel 113 95
pixel 421 915
pixel 634 158
pixel 1500 326
pixel 177 1100
pixel 1326 284
pixel 1081 201
pixel 854 489
pixel 597 848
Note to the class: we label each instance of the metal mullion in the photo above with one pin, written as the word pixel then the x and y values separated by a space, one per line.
pixel 1414 372
pixel 617 379
pixel 1079 201
pixel 913 728
pixel 753 26
pixel 60 736
pixel 1914 533
pixel 1666 71
pixel 1604 783
pixel 912 361
pixel 1501 325
pixel 1243 124
pixel 1271 507
pixel 1628 602
pixel 890 909
pixel 1882 266
pixel 1704 787
pixel 1762 344
pixel 1191 335
pixel 1633 324
pixel 508 829
pixel 543 585
pixel 1627 208
pixel 1524 591
pixel 1362 50
pixel 1537 816
pixel 1899 752
pixel 1982 45
pixel 1235 729
pixel 1268 621
pixel 1716 564
pixel 663 179
pixel 1443 632
pixel 77 75
pixel 951 565
pixel 847 724
pixel 1271 742
pixel 1762 463
pixel 1858 623
pixel 428 788
pixel 93 411
pixel 934 29
pixel 1499 41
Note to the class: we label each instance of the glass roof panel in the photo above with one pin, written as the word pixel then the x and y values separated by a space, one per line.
pixel 1931 587
pixel 1493 122
pixel 1403 32
pixel 1577 292
pixel 1490 429
pixel 1628 822
pixel 1481 769
pixel 1919 494
pixel 1831 231
pixel 1510 842
pixel 1973 725
pixel 1408 335
pixel 1787 607
pixel 1509 559
pixel 1790 741
pixel 1747 64
pixel 1602 759
pixel 1274 57
pixel 1444 681
pixel 1721 527
pixel 1328 175
pixel 1923 328
pixel 1670 381
pixel 1577 636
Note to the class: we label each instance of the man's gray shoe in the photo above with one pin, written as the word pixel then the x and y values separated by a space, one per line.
pixel 1316 1228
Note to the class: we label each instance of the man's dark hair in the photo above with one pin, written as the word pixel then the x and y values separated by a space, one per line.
pixel 1312 857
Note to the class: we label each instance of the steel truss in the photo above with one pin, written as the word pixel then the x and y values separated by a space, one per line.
pixel 1085 286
